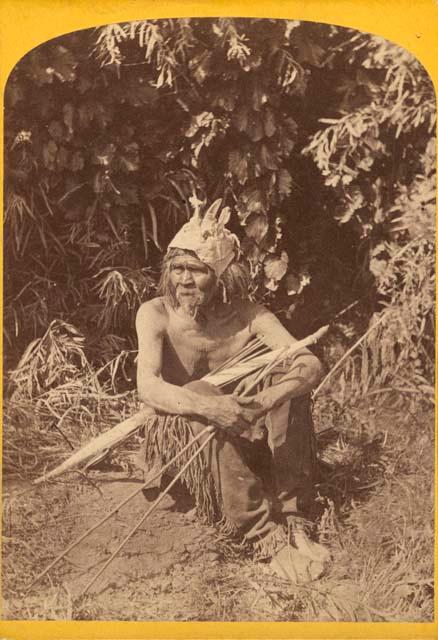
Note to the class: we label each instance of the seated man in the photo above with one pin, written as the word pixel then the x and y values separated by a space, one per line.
pixel 202 318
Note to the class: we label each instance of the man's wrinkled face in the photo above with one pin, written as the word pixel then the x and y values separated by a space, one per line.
pixel 192 283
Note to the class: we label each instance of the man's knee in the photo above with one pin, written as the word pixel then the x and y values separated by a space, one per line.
pixel 301 408
pixel 288 420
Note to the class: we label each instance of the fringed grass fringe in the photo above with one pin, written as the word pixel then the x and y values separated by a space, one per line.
pixel 271 544
pixel 229 529
pixel 297 523
pixel 165 436
pixel 281 536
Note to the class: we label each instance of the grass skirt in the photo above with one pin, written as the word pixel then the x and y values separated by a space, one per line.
pixel 165 436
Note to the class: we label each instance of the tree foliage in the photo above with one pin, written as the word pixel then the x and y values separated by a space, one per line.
pixel 319 138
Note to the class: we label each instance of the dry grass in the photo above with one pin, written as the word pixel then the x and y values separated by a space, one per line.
pixel 378 487
pixel 375 514
pixel 58 402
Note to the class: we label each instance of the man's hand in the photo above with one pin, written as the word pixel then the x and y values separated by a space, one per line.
pixel 261 402
pixel 231 413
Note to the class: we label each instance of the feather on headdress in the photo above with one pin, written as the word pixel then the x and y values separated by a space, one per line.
pixel 208 237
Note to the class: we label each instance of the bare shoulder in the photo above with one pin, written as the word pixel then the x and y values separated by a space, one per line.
pixel 263 323
pixel 152 315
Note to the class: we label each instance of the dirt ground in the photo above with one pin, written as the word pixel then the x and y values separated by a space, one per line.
pixel 176 569
pixel 173 568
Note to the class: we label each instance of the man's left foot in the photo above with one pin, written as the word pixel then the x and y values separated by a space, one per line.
pixel 307 547
pixel 301 560
pixel 290 564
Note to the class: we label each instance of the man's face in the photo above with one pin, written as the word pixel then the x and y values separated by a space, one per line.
pixel 192 283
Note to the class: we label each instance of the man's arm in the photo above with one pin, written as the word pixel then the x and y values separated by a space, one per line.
pixel 152 389
pixel 305 370
pixel 222 411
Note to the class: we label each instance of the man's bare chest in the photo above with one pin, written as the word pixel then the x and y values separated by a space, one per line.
pixel 191 350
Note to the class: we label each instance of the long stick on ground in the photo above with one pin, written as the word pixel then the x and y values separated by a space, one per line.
pixel 117 508
pixel 148 512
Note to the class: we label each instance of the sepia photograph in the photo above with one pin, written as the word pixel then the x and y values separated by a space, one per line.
pixel 219 325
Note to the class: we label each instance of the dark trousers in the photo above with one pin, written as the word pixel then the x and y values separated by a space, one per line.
pixel 260 482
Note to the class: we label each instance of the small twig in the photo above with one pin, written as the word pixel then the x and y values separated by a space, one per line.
pixel 49 208
pixel 55 426
pixel 347 308
pixel 325 430
pixel 61 420
pixel 148 512
pixel 70 191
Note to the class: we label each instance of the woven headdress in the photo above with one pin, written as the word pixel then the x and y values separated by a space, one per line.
pixel 208 237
